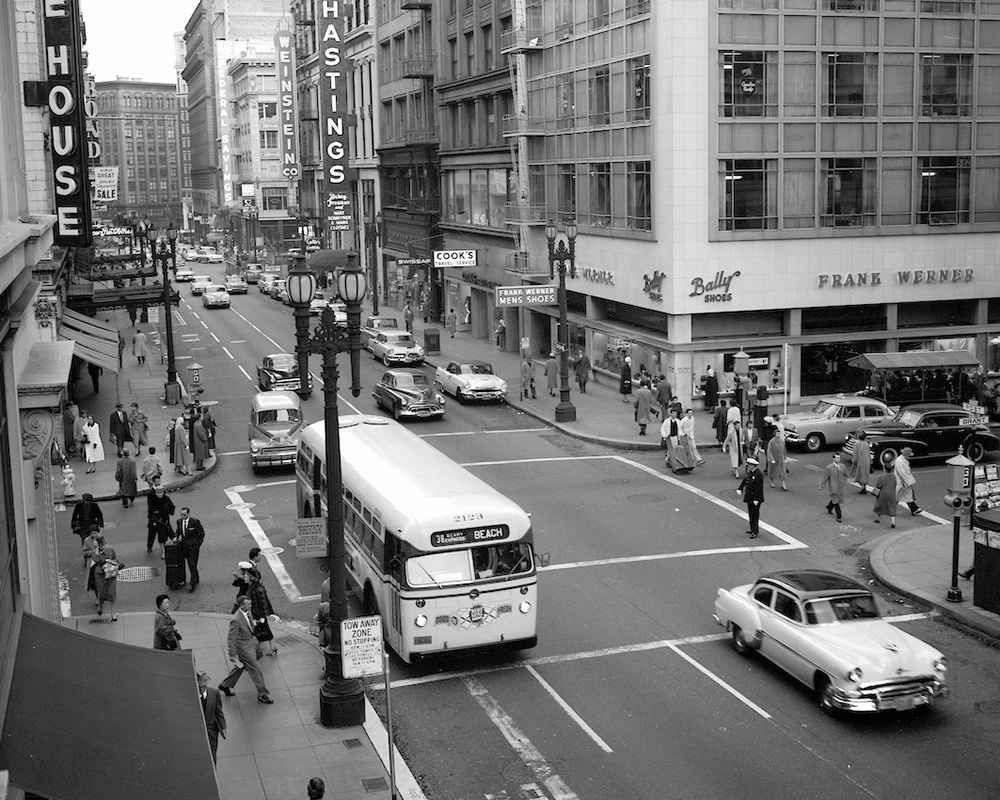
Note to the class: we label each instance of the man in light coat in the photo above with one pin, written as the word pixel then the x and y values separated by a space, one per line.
pixel 687 437
pixel 905 481
pixel 244 651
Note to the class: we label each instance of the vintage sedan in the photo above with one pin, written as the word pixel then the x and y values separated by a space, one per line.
pixel 215 296
pixel 393 346
pixel 471 380
pixel 200 283
pixel 830 421
pixel 184 275
pixel 373 324
pixel 276 420
pixel 252 272
pixel 236 285
pixel 193 255
pixel 279 371
pixel 211 257
pixel 407 394
pixel 277 287
pixel 826 631
pixel 931 430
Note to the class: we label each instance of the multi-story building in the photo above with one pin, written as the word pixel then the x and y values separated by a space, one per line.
pixel 140 127
pixel 184 140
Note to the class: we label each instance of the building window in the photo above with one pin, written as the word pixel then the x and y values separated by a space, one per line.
pixel 470 53
pixel 598 14
pixel 566 192
pixel 488 62
pixel 564 18
pixel 470 123
pixel 748 195
pixel 748 80
pixel 501 193
pixel 946 85
pixel 850 84
pixel 565 101
pixel 599 82
pixel 640 214
pixel 480 197
pixel 850 186
pixel 268 140
pixel 633 8
pixel 267 110
pixel 273 198
pixel 600 194
pixel 637 72
pixel 462 198
pixel 944 189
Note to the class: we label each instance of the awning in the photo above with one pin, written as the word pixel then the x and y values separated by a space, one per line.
pixel 328 259
pixel 96 341
pixel 915 359
pixel 92 718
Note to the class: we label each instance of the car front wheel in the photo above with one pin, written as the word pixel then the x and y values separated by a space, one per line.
pixel 888 456
pixel 824 695
pixel 397 412
pixel 814 443
pixel 976 451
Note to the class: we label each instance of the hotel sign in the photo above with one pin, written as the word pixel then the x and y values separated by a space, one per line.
pixel 67 122
pixel 334 72
pixel 288 136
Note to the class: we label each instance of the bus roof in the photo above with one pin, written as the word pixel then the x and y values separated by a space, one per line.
pixel 413 486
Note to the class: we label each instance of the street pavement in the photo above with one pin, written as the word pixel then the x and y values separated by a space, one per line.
pixel 271 750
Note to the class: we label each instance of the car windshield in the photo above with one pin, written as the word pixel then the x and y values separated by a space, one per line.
pixel 283 363
pixel 825 408
pixel 406 380
pixel 278 416
pixel 400 338
pixel 219 289
pixel 841 609
pixel 477 369
pixel 908 418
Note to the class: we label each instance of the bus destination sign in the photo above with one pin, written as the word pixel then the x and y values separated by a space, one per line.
pixel 484 533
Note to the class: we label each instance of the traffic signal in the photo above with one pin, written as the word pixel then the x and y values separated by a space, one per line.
pixel 959 501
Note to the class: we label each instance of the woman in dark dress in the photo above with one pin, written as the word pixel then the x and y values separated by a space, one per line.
pixel 165 635
pixel 260 610
pixel 625 386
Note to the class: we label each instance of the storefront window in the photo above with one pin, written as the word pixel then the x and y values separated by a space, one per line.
pixel 825 369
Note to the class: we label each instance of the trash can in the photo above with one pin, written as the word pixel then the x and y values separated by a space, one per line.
pixel 432 341
pixel 986 559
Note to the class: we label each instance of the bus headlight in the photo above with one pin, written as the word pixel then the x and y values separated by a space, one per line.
pixel 420 621
pixel 525 607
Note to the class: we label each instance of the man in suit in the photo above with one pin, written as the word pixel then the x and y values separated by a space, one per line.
pixel 215 717
pixel 119 428
pixel 752 491
pixel 192 535
pixel 244 650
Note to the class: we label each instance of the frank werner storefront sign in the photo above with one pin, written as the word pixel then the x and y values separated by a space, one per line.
pixel 903 277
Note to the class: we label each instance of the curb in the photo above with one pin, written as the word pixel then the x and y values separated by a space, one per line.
pixel 182 483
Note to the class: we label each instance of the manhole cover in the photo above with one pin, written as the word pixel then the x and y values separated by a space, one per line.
pixel 136 574
pixel 272 551
pixel 239 506
pixel 615 481
pixel 646 498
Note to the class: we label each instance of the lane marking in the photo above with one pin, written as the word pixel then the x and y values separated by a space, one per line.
pixel 226 351
pixel 240 367
pixel 604 562
pixel 480 433
pixel 712 676
pixel 248 322
pixel 212 334
pixel 238 341
pixel 566 707
pixel 530 756
pixel 204 324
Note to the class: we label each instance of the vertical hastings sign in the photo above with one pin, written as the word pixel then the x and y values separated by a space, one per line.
pixel 288 134
pixel 334 73
pixel 67 122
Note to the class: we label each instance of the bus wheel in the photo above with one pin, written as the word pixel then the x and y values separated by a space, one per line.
pixel 370 604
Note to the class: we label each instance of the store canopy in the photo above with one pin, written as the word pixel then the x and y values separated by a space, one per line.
pixel 915 359
pixel 96 341
pixel 92 718
pixel 328 259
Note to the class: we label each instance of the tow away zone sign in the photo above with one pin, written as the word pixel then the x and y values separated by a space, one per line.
pixel 361 646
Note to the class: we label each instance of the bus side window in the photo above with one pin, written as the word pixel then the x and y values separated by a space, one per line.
pixel 392 560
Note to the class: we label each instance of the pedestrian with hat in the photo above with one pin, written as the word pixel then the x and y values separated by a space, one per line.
pixel 551 374
pixel 751 489
pixel 862 469
pixel 625 384
pixel 885 496
pixel 215 717
pixel 834 480
pixel 139 425
pixel 119 429
pixel 905 480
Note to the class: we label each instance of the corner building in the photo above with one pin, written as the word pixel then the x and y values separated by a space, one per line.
pixel 805 179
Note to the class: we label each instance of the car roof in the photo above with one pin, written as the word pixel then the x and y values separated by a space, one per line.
pixel 925 407
pixel 815 583
pixel 203 278
pixel 473 363
pixel 393 331
pixel 215 287
pixel 269 401
pixel 404 371
pixel 850 400
pixel 279 356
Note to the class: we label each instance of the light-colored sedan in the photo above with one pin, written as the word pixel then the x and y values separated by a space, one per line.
pixel 199 283
pixel 827 632
pixel 396 347
pixel 211 257
pixel 236 285
pixel 831 420
pixel 215 296
pixel 184 275
pixel 471 380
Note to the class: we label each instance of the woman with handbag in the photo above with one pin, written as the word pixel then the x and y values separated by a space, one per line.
pixel 89 548
pixel 165 635
pixel 93 446
pixel 106 567
pixel 261 609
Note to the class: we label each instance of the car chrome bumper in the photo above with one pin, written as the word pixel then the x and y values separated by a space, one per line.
pixel 489 394
pixel 902 697
pixel 273 458
pixel 422 411
pixel 407 359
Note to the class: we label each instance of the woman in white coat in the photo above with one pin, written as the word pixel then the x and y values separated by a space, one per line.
pixel 94 447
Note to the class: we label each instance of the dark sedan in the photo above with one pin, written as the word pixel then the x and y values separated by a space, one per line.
pixel 409 394
pixel 279 371
pixel 931 430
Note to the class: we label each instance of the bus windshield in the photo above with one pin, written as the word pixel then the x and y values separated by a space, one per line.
pixel 462 566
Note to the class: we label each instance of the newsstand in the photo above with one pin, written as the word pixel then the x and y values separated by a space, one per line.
pixel 986 538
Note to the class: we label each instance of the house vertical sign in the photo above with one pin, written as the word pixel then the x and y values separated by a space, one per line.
pixel 67 122
pixel 335 71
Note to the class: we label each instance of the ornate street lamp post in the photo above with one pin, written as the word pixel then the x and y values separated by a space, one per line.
pixel 171 389
pixel 341 699
pixel 559 256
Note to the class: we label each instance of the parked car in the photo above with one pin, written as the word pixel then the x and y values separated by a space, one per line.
pixel 264 284
pixel 830 421
pixel 252 272
pixel 408 393
pixel 826 631
pixel 215 296
pixel 235 284
pixel 211 257
pixel 373 324
pixel 471 380
pixel 339 311
pixel 318 303
pixel 200 283
pixel 279 371
pixel 931 430
pixel 276 420
pixel 396 347
pixel 193 255
pixel 184 275
pixel 277 287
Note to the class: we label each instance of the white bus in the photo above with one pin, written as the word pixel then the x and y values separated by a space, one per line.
pixel 446 559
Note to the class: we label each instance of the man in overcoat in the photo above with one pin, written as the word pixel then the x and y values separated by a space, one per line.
pixel 119 428
pixel 215 717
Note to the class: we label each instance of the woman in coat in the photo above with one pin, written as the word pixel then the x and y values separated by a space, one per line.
pixel 776 464
pixel 139 347
pixel 260 610
pixel 625 384
pixel 106 566
pixel 139 423
pixel 734 444
pixel 643 406
pixel 89 548
pixel 182 449
pixel 552 374
pixel 125 475
pixel 78 422
pixel 861 471
pixel 94 447
pixel 165 635
pixel 885 496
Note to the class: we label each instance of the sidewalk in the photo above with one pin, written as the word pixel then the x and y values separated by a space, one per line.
pixel 271 752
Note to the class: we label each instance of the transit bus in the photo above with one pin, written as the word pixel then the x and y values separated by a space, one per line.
pixel 446 559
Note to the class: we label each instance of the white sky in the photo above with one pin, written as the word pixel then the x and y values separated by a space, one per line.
pixel 134 38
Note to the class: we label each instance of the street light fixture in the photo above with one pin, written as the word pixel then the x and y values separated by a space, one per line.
pixel 559 256
pixel 341 699
pixel 171 389
pixel 373 230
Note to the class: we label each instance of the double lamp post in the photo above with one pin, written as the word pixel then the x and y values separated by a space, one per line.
pixel 341 699
pixel 167 257
pixel 563 257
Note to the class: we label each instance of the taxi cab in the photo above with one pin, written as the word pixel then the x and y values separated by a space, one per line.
pixel 276 420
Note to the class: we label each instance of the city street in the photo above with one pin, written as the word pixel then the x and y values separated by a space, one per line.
pixel 632 691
